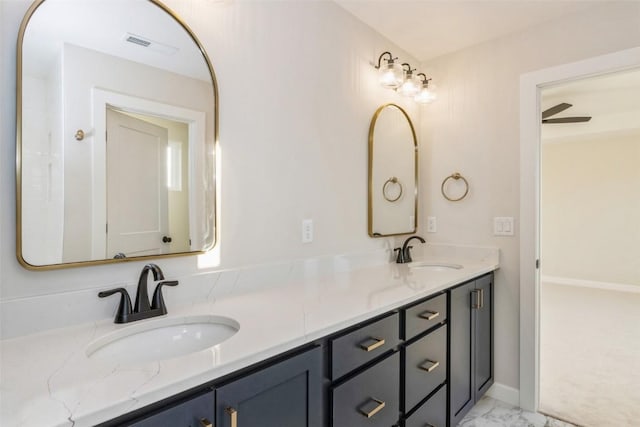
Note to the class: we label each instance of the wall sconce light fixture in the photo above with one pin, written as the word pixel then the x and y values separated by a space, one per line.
pixel 390 74
pixel 401 78
pixel 426 93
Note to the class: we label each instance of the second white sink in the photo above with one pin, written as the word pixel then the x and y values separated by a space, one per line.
pixel 435 266
pixel 160 339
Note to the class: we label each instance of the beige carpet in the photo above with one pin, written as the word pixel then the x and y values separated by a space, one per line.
pixel 590 356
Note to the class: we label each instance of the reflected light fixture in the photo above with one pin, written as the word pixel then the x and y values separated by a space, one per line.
pixel 426 93
pixel 390 74
pixel 403 79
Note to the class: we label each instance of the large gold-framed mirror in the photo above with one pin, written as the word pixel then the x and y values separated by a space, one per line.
pixel 393 173
pixel 117 124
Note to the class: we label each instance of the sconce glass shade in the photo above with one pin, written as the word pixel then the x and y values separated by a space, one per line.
pixel 410 86
pixel 391 75
pixel 426 94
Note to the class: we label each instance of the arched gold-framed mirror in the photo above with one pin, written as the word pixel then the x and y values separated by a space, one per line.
pixel 116 134
pixel 393 173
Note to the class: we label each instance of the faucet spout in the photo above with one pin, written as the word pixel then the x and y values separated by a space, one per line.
pixel 142 294
pixel 404 253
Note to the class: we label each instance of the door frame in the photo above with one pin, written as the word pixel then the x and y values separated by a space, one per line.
pixel 195 120
pixel 530 110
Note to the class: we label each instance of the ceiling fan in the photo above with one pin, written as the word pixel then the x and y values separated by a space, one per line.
pixel 558 109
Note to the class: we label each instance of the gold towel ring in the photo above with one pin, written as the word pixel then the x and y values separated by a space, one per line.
pixel 455 176
pixel 392 180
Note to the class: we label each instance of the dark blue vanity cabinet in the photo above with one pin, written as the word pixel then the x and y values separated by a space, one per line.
pixel 471 344
pixel 424 364
pixel 285 394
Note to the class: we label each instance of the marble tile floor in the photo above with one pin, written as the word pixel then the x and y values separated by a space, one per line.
pixel 489 412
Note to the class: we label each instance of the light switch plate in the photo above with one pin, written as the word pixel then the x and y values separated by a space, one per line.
pixel 503 226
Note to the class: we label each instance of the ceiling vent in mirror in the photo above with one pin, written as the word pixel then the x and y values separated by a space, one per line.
pixel 152 45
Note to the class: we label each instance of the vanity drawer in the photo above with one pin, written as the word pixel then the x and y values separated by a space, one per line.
pixel 371 398
pixel 425 366
pixel 425 315
pixel 358 347
pixel 432 413
pixel 197 411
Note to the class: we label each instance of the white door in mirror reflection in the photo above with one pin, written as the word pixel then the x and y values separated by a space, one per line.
pixel 137 194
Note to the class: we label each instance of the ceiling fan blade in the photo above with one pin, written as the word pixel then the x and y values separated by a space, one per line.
pixel 555 110
pixel 567 120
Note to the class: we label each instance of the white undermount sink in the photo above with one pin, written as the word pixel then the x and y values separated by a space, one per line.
pixel 159 339
pixel 435 266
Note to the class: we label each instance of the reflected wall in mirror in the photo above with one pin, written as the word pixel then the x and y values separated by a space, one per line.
pixel 393 173
pixel 116 134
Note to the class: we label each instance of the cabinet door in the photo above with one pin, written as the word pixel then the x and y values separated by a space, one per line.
pixel 195 412
pixel 483 353
pixel 461 369
pixel 287 394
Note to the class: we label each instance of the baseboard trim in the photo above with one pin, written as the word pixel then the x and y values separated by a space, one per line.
pixel 505 394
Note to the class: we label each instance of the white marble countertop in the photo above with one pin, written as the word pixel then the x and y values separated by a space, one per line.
pixel 46 379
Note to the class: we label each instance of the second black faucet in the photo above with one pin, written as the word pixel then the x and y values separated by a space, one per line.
pixel 404 253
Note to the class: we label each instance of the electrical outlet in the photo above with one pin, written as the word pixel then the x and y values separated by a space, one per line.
pixel 307 230
pixel 432 225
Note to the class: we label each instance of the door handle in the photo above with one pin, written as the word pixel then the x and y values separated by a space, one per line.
pixel 233 416
pixel 481 297
pixel 205 423
pixel 476 299
pixel 166 239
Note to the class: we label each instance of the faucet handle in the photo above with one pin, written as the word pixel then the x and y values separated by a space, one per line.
pixel 158 300
pixel 407 254
pixel 400 257
pixel 124 308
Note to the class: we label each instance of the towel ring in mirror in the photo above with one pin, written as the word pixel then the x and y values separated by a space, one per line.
pixel 385 194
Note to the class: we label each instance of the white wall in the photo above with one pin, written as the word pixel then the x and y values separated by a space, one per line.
pixel 590 205
pixel 473 129
pixel 297 92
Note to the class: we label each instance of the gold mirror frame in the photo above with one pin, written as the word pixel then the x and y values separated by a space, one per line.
pixel 23 26
pixel 370 183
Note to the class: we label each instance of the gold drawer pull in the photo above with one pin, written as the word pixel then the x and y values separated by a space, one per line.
pixel 429 315
pixel 205 423
pixel 379 406
pixel 429 425
pixel 377 342
pixel 429 365
pixel 233 416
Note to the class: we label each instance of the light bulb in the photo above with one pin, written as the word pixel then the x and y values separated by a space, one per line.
pixel 410 86
pixel 390 75
pixel 426 94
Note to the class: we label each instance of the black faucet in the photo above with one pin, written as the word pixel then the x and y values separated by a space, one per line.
pixel 404 253
pixel 142 309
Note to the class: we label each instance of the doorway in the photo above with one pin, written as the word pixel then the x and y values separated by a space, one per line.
pixel 530 112
pixel 589 234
